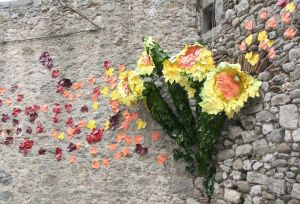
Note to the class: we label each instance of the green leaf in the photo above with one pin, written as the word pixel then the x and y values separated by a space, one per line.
pixel 209 183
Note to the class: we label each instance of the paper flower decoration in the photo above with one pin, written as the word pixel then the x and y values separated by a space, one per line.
pixel 252 58
pixel 290 7
pixel 271 23
pixel 263 14
pixel 249 40
pixel 282 3
pixel 145 64
pixel 290 33
pixel 285 18
pixel 227 88
pixel 249 25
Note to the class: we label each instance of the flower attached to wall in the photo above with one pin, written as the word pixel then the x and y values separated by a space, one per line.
pixel 227 88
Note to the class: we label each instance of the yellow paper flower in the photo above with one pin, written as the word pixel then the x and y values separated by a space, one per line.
pixel 95 106
pixel 249 40
pixel 91 124
pixel 262 36
pixel 129 89
pixel 140 123
pixel 110 72
pixel 61 136
pixel 227 88
pixel 252 58
pixel 195 61
pixel 290 7
pixel 171 72
pixel 145 64
pixel 106 125
pixel 104 91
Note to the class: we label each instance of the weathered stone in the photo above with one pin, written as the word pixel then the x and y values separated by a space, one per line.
pixel 249 136
pixel 298 178
pixel 254 177
pixel 264 76
pixel 235 131
pixel 243 150
pixel 277 186
pixel 280 99
pixel 260 147
pixel 288 67
pixel 296 147
pixel 290 174
pixel 238 164
pixel 294 54
pixel 295 74
pixel 5 178
pixel 181 184
pixel 276 135
pixel 294 201
pixel 255 190
pixel 288 116
pixel 268 196
pixel 283 148
pixel 296 135
pixel 226 154
pixel 295 93
pixel 232 196
pixel 242 7
pixel 279 163
pixel 191 201
pixel 243 186
pixel 296 191
pixel 5 195
pixel 257 165
pixel 265 116
pixel 267 128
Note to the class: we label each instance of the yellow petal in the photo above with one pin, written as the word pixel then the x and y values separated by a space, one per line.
pixel 262 36
pixel 290 7
pixel 61 136
pixel 95 106
pixel 252 58
pixel 140 123
pixel 110 72
pixel 104 91
pixel 106 125
pixel 249 40
pixel 91 124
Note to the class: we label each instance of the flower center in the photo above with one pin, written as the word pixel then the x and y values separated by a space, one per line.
pixel 190 57
pixel 228 85
pixel 146 60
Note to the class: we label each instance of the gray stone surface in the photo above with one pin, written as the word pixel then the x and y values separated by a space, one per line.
pixel 257 178
pixel 232 196
pixel 296 135
pixel 296 191
pixel 243 150
pixel 288 116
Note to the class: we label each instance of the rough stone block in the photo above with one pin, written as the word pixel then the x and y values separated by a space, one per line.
pixel 288 116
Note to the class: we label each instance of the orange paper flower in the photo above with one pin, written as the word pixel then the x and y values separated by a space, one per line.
pixel 96 164
pixel 118 155
pixel 128 140
pixel 138 139
pixel 290 33
pixel 125 152
pixel 243 46
pixel 120 136
pixel 263 14
pixel 73 159
pixel 105 162
pixel 285 18
pixel 115 105
pixel 271 23
pixel 272 53
pixel 249 25
pixel 155 136
pixel 78 85
pixel 112 147
pixel 92 81
pixel 2 90
pixel 44 108
pixel 93 150
pixel 8 101
pixel 78 146
pixel 161 158
pixel 263 45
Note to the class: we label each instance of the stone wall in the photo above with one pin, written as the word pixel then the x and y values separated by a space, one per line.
pixel 40 178
pixel 258 152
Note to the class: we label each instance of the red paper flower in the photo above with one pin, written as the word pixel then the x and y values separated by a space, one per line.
pixel 36 108
pixel 114 121
pixel 20 97
pixel 59 89
pixel 95 136
pixel 65 83
pixel 77 130
pixel 14 88
pixel 56 108
pixel 141 150
pixel 55 118
pixel 28 110
pixel 69 122
pixel 33 116
pixel 96 91
pixel 84 109
pixel 55 73
pixel 106 64
pixel 16 112
pixel 282 3
pixel 58 153
pixel 46 60
pixel 72 147
pixel 15 122
pixel 5 117
pixel 26 146
pixel 42 151
pixel 68 107
pixel 8 140
pixel 19 130
pixel 39 128
pixel 29 130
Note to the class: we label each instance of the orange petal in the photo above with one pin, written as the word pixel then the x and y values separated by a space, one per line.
pixel 263 45
pixel 113 82
pixel 271 23
pixel 94 97
pixel 96 164
pixel 94 150
pixel 133 116
pixel 120 136
pixel 8 101
pixel 112 147
pixel 70 132
pixel 121 67
pixel 115 105
pixel 285 18
pixel 92 81
pixel 78 85
pixel 125 125
pixel 161 158
pixel 128 140
pixel 66 94
pixel 105 162
pixel 243 46
pixel 81 123
pixel 290 33
pixel 44 108
pixel 125 152
pixel 78 146
pixel 249 25
pixel 71 97
pixel 73 159
pixel 138 139
pixel 271 53
pixel 54 133
pixel 155 135
pixel 2 90
pixel 263 15
pixel 118 155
